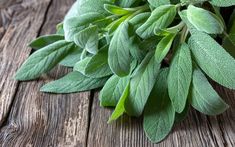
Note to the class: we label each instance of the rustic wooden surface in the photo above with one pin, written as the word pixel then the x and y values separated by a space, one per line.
pixel 30 118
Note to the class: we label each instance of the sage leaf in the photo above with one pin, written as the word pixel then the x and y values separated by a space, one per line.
pixel 120 108
pixel 72 58
pixel 160 18
pixel 163 47
pixel 88 39
pixel 159 114
pixel 115 10
pixel 97 66
pixel 74 25
pixel 81 65
pixel 112 90
pixel 43 41
pixel 119 58
pixel 213 59
pixel 204 20
pixel 157 3
pixel 222 3
pixel 141 85
pixel 73 82
pixel 43 60
pixel 203 97
pixel 179 78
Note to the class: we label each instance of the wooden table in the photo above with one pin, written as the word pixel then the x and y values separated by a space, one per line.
pixel 31 118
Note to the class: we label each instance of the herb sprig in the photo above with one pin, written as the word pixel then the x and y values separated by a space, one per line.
pixel 152 58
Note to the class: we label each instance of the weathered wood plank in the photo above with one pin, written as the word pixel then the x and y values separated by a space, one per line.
pixel 38 119
pixel 196 130
pixel 26 21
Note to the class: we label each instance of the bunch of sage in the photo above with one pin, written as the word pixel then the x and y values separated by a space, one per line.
pixel 152 57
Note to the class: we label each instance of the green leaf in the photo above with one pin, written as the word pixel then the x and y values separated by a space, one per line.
pixel 204 20
pixel 203 97
pixel 139 19
pixel 157 3
pixel 159 114
pixel 81 65
pixel 112 9
pixel 112 90
pixel 97 66
pixel 88 6
pixel 222 3
pixel 179 117
pixel 120 109
pixel 141 85
pixel 74 25
pixel 44 41
pixel 213 59
pixel 163 47
pixel 73 11
pixel 127 3
pixel 43 60
pixel 179 78
pixel 119 58
pixel 183 16
pixel 72 58
pixel 73 82
pixel 88 39
pixel 160 18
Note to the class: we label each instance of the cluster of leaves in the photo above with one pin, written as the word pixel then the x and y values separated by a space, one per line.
pixel 150 56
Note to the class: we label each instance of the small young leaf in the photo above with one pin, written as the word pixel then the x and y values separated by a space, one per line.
pixel 44 41
pixel 159 114
pixel 204 20
pixel 213 59
pixel 43 60
pixel 160 18
pixel 141 85
pixel 119 58
pixel 73 82
pixel 163 47
pixel 203 97
pixel 112 90
pixel 179 78
pixel 115 10
pixel 120 109
pixel 88 39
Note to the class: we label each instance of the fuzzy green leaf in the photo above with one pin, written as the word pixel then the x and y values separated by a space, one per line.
pixel 157 3
pixel 213 59
pixel 159 114
pixel 222 3
pixel 88 39
pixel 44 41
pixel 141 85
pixel 203 97
pixel 74 25
pixel 119 58
pixel 43 60
pixel 163 47
pixel 73 82
pixel 179 78
pixel 160 18
pixel 204 20
pixel 120 108
pixel 112 90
